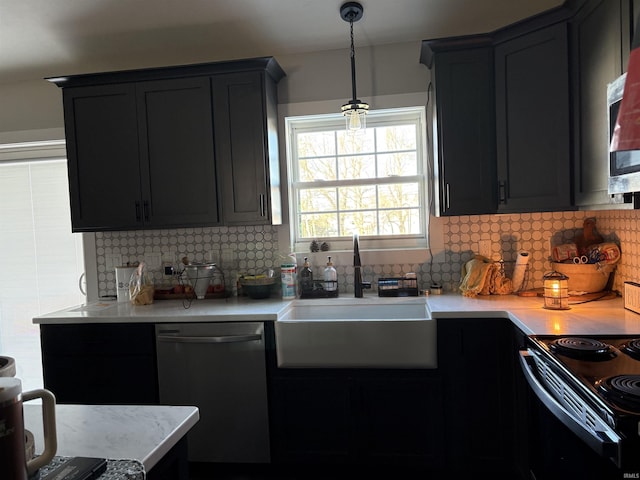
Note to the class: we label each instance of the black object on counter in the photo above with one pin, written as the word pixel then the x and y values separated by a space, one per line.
pixel 78 468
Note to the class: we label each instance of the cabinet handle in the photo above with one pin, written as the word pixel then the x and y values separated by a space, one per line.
pixel 138 217
pixel 145 209
pixel 262 206
pixel 502 192
pixel 446 196
pixel 210 339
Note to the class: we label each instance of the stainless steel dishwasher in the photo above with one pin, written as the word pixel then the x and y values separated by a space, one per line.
pixel 221 369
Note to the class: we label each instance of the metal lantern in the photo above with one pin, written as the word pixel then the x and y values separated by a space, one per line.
pixel 556 291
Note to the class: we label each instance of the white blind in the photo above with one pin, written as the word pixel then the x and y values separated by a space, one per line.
pixel 41 260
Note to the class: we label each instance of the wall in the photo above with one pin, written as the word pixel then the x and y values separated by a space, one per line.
pixel 34 103
pixel 254 249
pixel 317 83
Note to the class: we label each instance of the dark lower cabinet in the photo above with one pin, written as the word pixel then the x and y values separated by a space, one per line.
pixel 357 417
pixel 174 465
pixel 476 361
pixel 100 364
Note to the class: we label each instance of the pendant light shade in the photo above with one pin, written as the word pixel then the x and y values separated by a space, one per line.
pixel 355 110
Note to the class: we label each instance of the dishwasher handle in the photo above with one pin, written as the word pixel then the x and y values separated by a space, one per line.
pixel 209 339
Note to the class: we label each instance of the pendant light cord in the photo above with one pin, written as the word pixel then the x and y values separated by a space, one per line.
pixel 353 64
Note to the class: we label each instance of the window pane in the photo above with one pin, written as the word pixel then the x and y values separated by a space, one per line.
pixel 365 223
pixel 401 137
pixel 316 144
pixel 317 200
pixel 400 222
pixel 363 166
pixel 399 195
pixel 398 164
pixel 364 143
pixel 314 169
pixel 318 225
pixel 357 197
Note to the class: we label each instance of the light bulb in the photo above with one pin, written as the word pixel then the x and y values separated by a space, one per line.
pixel 353 122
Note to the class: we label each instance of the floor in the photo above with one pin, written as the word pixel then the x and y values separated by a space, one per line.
pixel 324 472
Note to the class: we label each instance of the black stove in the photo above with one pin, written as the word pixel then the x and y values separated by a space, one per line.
pixel 608 366
pixel 595 382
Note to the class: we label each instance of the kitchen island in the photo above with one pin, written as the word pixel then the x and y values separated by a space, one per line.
pixel 152 435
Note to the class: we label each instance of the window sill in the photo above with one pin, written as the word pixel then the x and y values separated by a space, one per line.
pixel 367 257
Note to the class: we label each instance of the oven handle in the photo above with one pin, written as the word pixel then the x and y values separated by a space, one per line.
pixel 606 443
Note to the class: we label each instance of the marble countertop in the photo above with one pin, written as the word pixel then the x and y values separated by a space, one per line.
pixel 605 316
pixel 143 433
pixel 207 310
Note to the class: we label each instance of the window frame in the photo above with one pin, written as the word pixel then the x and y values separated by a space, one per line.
pixel 413 115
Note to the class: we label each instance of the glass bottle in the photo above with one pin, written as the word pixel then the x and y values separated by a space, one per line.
pixel 330 276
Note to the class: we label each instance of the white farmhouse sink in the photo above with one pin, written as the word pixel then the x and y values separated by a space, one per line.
pixel 357 333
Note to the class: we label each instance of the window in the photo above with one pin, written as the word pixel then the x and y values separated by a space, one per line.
pixel 373 184
pixel 41 259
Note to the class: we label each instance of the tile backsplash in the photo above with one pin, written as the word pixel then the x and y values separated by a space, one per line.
pixel 252 249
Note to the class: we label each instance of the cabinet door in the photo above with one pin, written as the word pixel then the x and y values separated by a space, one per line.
pixel 465 132
pixel 312 419
pixel 532 121
pixel 177 153
pixel 597 49
pixel 400 420
pixel 476 363
pixel 100 363
pixel 241 149
pixel 102 149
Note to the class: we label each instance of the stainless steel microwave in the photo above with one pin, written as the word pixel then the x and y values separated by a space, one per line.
pixel 624 166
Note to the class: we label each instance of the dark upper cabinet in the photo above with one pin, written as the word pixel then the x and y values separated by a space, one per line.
pixel 177 161
pixel 600 38
pixel 101 126
pixel 532 121
pixel 141 155
pixel 143 146
pixel 463 128
pixel 246 138
pixel 497 96
pixel 550 79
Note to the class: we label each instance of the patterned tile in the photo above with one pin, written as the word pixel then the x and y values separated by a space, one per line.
pixel 252 249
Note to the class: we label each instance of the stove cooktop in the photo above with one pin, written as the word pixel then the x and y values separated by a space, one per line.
pixel 609 366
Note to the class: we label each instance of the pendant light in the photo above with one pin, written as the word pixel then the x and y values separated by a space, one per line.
pixel 355 111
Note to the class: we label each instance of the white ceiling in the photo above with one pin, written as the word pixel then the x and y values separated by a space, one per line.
pixel 50 37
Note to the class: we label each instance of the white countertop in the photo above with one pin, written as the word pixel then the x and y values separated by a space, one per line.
pixel 596 317
pixel 207 310
pixel 143 433
pixel 601 317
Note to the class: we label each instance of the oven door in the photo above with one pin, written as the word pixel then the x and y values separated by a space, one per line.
pixel 567 435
